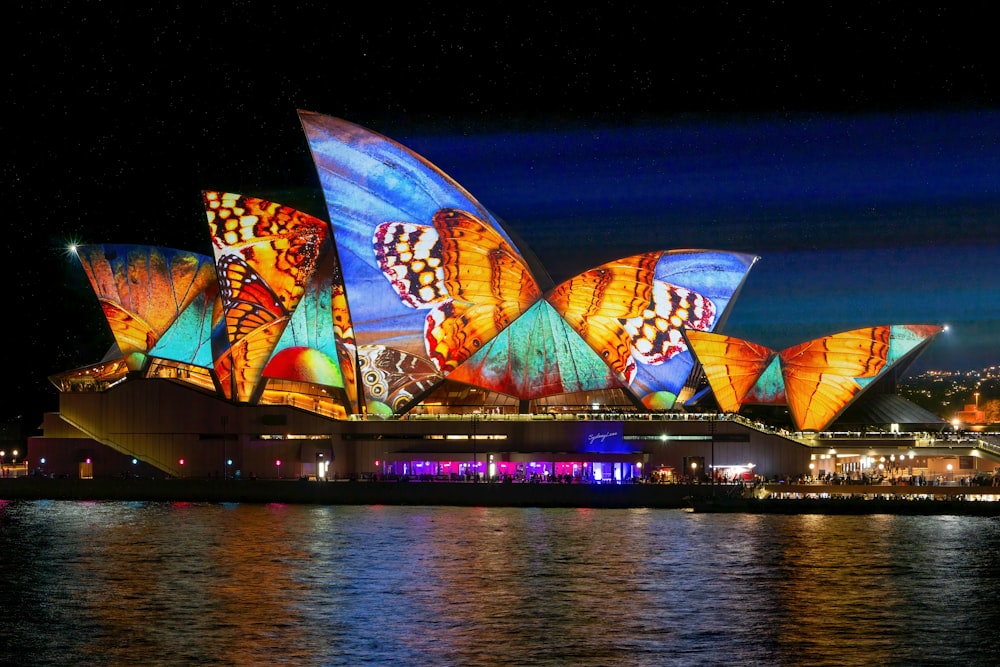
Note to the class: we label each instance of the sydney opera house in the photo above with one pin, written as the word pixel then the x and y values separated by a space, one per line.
pixel 412 334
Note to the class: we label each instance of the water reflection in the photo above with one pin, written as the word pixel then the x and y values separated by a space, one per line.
pixel 160 583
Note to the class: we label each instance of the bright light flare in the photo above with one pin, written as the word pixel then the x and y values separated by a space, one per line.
pixel 71 248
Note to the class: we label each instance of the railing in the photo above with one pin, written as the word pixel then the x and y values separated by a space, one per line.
pixel 918 439
pixel 989 443
pixel 570 416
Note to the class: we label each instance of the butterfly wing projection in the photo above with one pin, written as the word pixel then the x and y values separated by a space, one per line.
pixel 699 288
pixel 343 333
pixel 249 302
pixel 599 303
pixel 317 344
pixel 392 378
pixel 470 278
pixel 632 313
pixel 265 254
pixel 538 355
pixel 656 334
pixel 143 290
pixel 732 366
pixel 134 336
pixel 391 209
pixel 446 295
pixel 821 376
pixel 189 338
pixel 253 320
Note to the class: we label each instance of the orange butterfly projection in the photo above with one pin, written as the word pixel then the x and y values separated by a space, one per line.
pixel 820 377
pixel 470 277
pixel 265 255
pixel 465 303
pixel 625 314
pixel 143 290
pixel 476 285
pixel 317 345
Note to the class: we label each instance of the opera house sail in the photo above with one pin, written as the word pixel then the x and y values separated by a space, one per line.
pixel 412 300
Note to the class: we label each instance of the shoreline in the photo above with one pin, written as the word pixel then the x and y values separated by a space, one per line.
pixel 848 506
pixel 698 498
pixel 466 494
pixel 857 499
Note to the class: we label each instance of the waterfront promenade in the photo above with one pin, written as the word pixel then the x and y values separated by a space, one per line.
pixel 483 494
pixel 464 494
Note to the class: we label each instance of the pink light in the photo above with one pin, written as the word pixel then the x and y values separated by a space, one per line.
pixel 277 462
pixel 181 462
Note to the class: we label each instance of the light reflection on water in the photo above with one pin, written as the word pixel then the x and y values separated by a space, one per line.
pixel 161 583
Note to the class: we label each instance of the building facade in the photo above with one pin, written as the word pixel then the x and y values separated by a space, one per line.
pixel 411 335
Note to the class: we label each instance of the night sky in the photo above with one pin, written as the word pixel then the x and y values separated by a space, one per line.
pixel 858 154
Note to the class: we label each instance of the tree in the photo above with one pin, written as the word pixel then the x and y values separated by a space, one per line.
pixel 991 409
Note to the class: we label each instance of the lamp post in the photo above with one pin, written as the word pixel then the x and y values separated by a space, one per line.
pixel 711 421
pixel 277 468
pixel 225 456
pixel 475 448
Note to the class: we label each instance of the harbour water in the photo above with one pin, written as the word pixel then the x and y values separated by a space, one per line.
pixel 157 583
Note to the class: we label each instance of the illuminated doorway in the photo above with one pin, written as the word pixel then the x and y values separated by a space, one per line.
pixel 322 466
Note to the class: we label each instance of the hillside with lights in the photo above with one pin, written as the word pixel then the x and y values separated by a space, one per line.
pixel 969 399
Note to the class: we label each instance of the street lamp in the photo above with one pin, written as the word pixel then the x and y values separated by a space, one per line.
pixel 277 467
pixel 712 428
pixel 225 454
pixel 475 448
